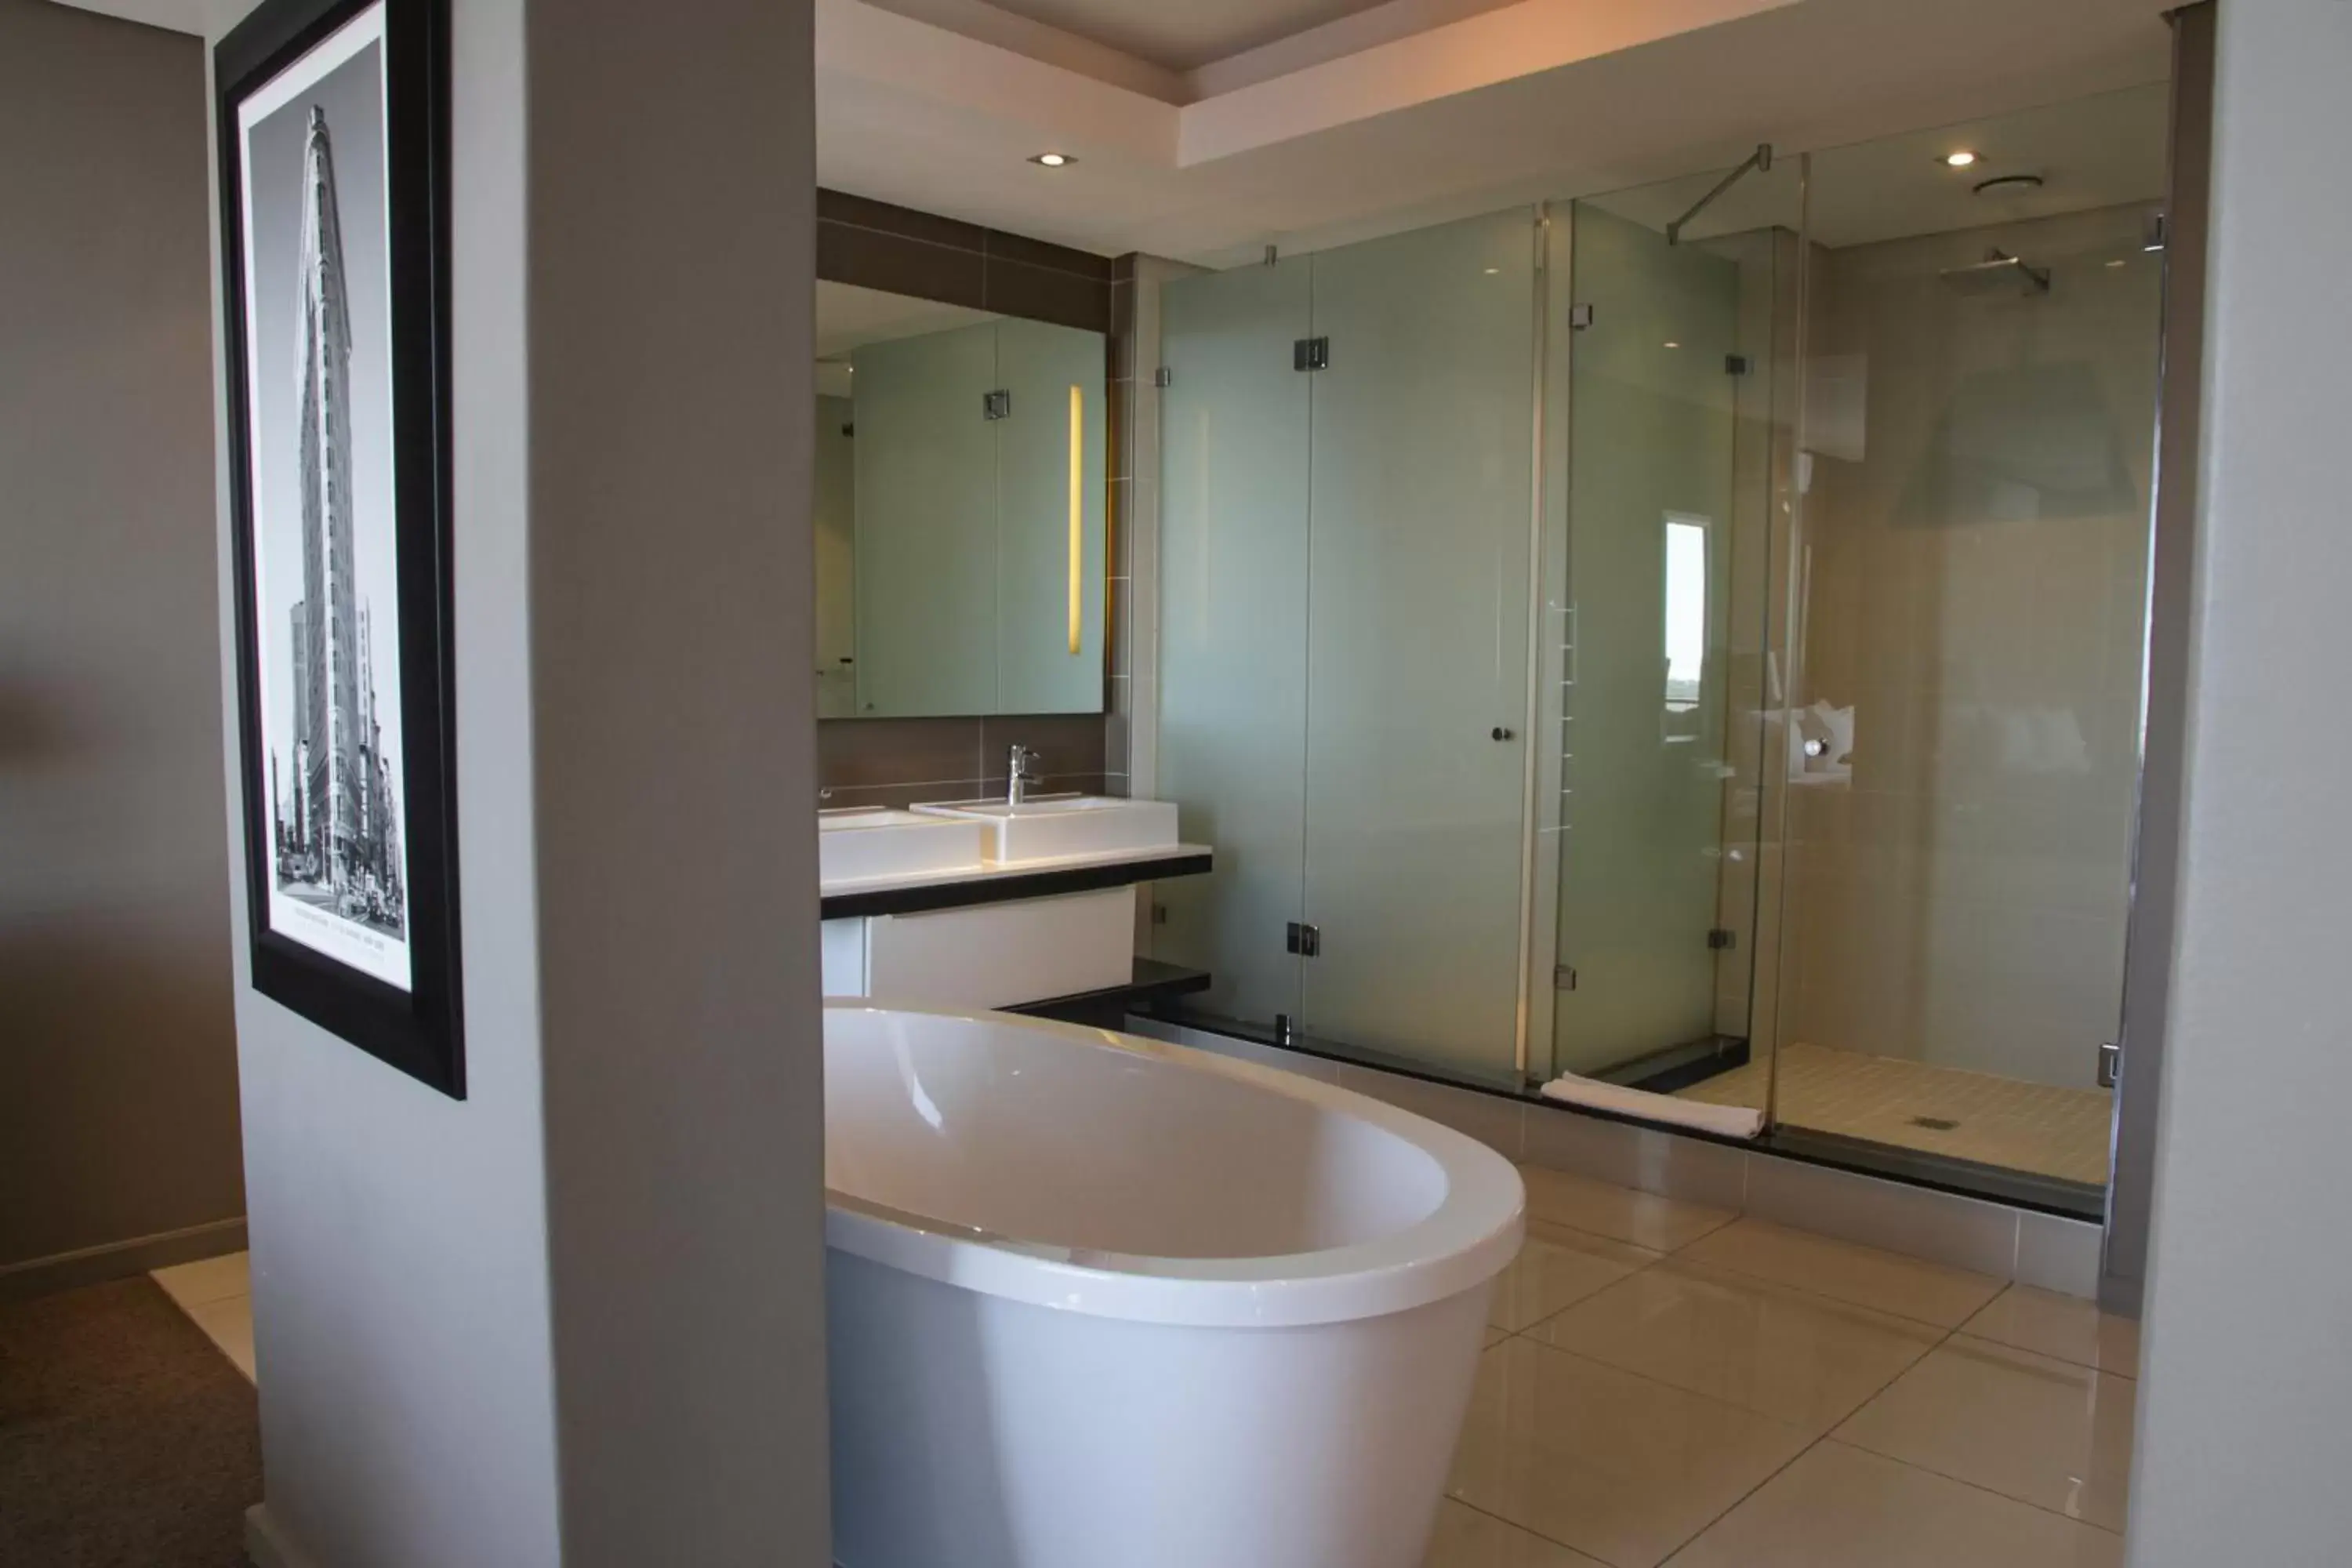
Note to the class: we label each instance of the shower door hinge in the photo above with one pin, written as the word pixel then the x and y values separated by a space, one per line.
pixel 1580 317
pixel 996 405
pixel 1311 354
pixel 1163 376
pixel 1721 941
pixel 1305 941
pixel 1563 978
pixel 1735 365
pixel 2111 1064
pixel 1160 914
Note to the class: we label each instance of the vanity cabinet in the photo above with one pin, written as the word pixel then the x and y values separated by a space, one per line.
pixel 979 520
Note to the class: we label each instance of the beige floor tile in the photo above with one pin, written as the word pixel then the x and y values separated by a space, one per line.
pixel 228 1323
pixel 1468 1538
pixel 1618 1467
pixel 1888 1281
pixel 206 1280
pixel 2066 1327
pixel 1842 1508
pixel 2028 1427
pixel 1798 1358
pixel 1620 1214
pixel 1556 1267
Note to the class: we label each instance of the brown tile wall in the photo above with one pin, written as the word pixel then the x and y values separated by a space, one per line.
pixel 894 761
pixel 877 246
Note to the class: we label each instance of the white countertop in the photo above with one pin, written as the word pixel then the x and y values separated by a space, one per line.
pixel 1001 873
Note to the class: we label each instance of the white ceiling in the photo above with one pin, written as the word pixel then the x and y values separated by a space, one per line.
pixel 1179 35
pixel 1388 115
pixel 2103 150
pixel 1450 122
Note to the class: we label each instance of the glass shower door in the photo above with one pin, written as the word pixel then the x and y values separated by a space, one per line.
pixel 1971 622
pixel 1650 528
pixel 1417 643
pixel 1671 447
pixel 1232 633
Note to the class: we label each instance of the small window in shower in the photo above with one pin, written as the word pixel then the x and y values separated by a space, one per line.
pixel 1686 623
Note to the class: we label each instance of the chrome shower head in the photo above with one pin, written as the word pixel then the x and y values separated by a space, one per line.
pixel 1998 273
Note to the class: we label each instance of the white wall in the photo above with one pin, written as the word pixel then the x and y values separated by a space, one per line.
pixel 2247 1370
pixel 577 1317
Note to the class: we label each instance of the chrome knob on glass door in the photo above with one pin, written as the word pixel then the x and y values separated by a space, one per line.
pixel 1501 734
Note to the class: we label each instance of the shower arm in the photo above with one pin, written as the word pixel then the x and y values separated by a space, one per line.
pixel 1759 160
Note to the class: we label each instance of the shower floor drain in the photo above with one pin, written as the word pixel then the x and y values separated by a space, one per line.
pixel 1935 1123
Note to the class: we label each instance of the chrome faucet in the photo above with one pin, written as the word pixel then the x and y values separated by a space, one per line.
pixel 1021 772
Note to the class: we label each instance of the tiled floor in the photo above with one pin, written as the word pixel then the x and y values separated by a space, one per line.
pixel 2044 1128
pixel 1667 1383
pixel 218 1292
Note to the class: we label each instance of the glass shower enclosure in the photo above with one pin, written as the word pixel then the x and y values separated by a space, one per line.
pixel 1690 637
pixel 1348 477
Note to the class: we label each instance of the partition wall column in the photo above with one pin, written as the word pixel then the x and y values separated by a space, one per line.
pixel 577 1317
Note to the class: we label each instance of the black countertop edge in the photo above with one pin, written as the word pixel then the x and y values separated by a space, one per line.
pixel 1002 887
pixel 1150 979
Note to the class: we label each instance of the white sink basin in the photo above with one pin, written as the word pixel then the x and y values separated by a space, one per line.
pixel 860 842
pixel 1056 827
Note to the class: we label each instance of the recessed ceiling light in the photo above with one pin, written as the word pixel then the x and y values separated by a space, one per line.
pixel 2118 261
pixel 1672 344
pixel 1959 160
pixel 1053 160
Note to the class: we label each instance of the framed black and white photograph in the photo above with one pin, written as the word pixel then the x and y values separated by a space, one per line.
pixel 333 117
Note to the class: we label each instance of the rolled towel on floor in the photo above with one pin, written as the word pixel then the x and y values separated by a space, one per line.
pixel 1723 1121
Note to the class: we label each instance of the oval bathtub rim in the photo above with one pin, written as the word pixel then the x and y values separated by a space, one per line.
pixel 1472 1236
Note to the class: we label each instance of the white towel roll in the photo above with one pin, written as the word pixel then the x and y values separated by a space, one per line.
pixel 1724 1121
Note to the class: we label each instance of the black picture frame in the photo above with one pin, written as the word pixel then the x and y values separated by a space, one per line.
pixel 420 1030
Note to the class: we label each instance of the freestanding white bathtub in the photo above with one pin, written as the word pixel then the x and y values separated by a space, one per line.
pixel 1101 1303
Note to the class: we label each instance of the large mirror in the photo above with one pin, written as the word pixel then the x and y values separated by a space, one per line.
pixel 959 510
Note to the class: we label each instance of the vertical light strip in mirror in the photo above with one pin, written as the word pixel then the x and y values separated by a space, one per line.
pixel 1077 510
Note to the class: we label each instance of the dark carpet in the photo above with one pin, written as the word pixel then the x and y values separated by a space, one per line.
pixel 126 1439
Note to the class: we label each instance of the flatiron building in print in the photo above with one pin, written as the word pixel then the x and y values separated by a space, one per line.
pixel 338 829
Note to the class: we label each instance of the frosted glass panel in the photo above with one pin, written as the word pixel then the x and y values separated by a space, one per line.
pixel 1233 635
pixel 1417 642
pixel 1049 467
pixel 1650 517
pixel 926 557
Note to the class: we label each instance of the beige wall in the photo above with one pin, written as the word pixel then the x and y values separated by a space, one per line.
pixel 118 1067
pixel 1975 591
